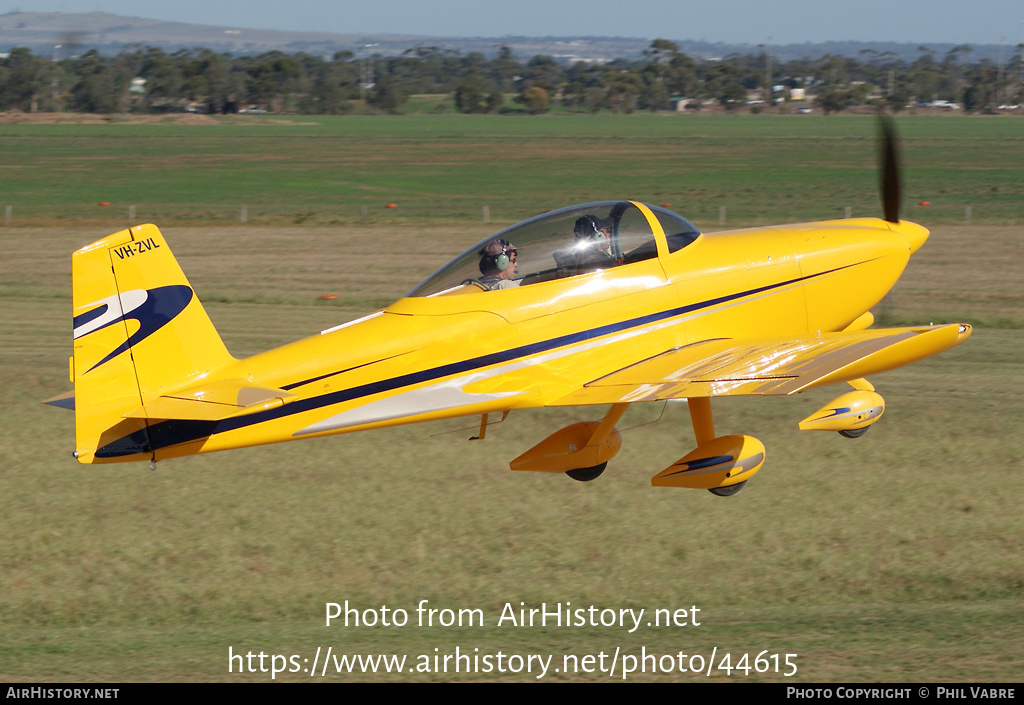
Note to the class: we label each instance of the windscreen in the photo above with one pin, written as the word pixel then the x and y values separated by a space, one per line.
pixel 559 244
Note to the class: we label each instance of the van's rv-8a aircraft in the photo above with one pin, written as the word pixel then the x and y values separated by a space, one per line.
pixel 606 304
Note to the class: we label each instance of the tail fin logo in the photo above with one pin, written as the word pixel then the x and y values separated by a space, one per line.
pixel 153 309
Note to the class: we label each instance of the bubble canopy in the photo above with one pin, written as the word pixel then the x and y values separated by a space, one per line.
pixel 563 243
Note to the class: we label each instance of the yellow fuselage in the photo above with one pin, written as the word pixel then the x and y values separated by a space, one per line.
pixel 426 358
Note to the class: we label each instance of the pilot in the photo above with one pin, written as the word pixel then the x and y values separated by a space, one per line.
pixel 591 248
pixel 498 264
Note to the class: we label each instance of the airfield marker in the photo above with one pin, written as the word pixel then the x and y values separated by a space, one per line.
pixel 244 216
pixel 848 212
pixel 721 215
pixel 487 214
pixel 967 215
pixel 131 214
pixel 7 215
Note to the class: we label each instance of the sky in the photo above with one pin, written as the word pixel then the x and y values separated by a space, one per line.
pixel 730 21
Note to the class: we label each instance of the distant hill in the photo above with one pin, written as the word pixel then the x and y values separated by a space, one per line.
pixel 62 34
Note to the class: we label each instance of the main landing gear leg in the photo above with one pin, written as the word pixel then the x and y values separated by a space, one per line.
pixel 700 416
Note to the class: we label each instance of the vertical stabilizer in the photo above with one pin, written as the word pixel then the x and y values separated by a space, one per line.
pixel 139 331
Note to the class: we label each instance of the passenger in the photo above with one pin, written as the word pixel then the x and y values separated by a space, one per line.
pixel 498 265
pixel 592 247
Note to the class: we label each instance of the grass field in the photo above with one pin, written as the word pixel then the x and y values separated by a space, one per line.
pixel 445 169
pixel 896 557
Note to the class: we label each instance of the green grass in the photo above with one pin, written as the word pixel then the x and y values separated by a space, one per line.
pixel 895 557
pixel 445 168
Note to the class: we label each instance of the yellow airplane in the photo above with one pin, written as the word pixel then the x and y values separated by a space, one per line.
pixel 610 303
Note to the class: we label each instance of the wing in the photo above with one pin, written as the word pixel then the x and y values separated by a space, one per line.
pixel 732 367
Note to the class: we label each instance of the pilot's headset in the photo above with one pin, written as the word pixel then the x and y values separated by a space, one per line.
pixel 588 228
pixel 496 255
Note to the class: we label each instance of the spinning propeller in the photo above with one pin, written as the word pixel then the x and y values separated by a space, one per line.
pixel 890 171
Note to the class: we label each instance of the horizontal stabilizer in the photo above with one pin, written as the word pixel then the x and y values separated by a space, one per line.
pixel 64 401
pixel 212 402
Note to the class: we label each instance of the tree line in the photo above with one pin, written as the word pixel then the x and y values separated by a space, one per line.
pixel 147 79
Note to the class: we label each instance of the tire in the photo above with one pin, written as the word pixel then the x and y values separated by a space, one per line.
pixel 727 491
pixel 587 474
pixel 854 432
